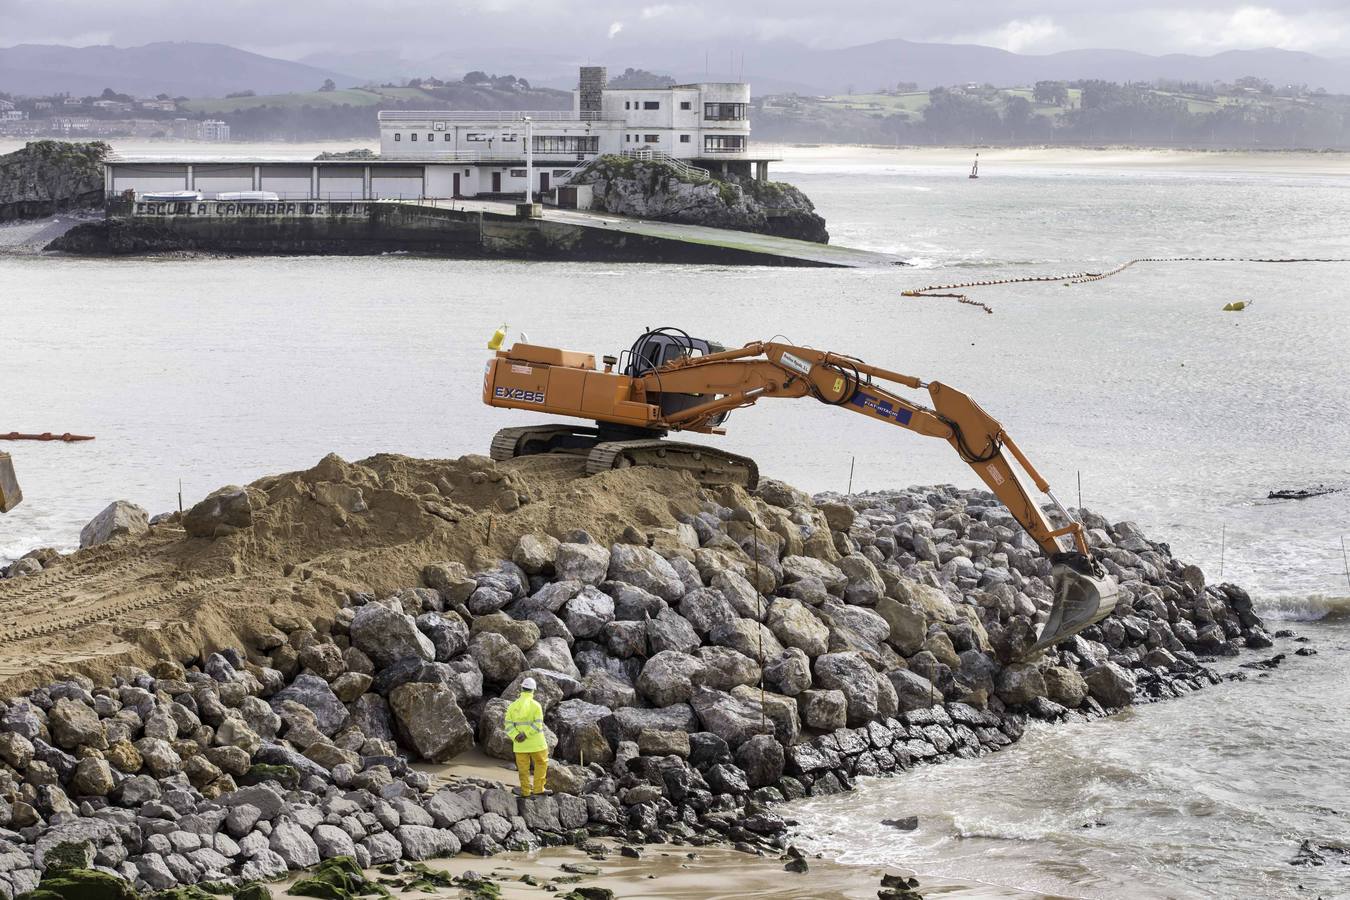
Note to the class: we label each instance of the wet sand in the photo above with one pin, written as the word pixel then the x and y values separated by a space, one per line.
pixel 666 870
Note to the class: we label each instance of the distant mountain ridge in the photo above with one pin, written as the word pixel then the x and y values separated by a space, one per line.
pixel 213 70
pixel 176 68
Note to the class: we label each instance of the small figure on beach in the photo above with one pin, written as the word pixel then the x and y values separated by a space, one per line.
pixel 525 724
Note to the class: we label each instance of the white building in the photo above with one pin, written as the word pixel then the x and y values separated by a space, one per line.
pixel 213 130
pixel 457 153
pixel 703 125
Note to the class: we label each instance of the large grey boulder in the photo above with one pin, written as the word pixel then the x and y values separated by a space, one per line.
pixel 850 673
pixel 823 710
pixel 907 622
pixel 586 563
pixel 864 586
pixel 727 668
pixel 224 512
pixel 588 612
pixel 789 673
pixel 740 594
pixel 430 722
pixel 1065 686
pixel 293 844
pixel 670 677
pixel 627 723
pixel 746 636
pixel 801 568
pixel 913 691
pixel 1110 685
pixel 579 735
pixel 730 718
pixel 644 568
pixel 671 631
pixel 387 636
pixel 535 553
pixel 1019 684
pixel 73 724
pixel 497 658
pixel 762 759
pixel 120 519
pixel 795 626
pixel 447 632
pixel 316 695
pixel 705 609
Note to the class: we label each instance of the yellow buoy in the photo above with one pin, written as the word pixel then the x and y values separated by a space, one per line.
pixel 495 342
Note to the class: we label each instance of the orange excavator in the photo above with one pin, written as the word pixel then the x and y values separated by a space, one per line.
pixel 668 381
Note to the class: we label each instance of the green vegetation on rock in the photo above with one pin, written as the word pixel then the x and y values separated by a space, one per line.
pixel 339 878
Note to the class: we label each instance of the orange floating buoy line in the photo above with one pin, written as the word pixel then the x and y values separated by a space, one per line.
pixel 46 436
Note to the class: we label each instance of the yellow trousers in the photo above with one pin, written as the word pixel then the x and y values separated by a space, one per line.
pixel 540 761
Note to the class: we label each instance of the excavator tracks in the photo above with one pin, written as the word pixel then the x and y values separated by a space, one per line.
pixel 707 464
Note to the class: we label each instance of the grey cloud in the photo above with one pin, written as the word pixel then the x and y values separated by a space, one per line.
pixel 575 29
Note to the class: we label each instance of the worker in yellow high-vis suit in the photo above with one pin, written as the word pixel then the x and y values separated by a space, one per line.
pixel 525 725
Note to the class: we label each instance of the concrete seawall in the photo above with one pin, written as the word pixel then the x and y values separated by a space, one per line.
pixel 461 230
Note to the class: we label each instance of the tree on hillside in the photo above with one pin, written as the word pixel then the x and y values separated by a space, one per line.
pixel 1051 92
pixel 328 85
pixel 1017 114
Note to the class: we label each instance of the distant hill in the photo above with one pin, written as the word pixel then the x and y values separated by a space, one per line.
pixel 885 63
pixel 178 69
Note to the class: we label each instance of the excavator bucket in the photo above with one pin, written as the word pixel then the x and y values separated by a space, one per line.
pixel 10 495
pixel 1080 600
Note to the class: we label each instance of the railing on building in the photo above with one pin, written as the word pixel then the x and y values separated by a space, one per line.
pixel 488 115
pixel 678 165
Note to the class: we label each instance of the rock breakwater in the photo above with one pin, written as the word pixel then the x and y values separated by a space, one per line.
pixel 47 177
pixel 754 648
pixel 659 191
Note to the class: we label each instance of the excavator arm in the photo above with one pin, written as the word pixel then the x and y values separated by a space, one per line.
pixel 673 382
pixel 741 377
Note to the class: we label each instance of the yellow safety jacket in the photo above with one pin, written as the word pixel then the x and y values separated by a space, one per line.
pixel 526 716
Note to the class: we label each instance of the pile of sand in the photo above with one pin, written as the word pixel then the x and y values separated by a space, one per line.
pixel 306 540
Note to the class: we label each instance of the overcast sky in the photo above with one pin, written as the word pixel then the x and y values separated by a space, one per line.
pixel 421 28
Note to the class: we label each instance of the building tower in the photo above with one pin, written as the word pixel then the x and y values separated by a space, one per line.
pixel 591 88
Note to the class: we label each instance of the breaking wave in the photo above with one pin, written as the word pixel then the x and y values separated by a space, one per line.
pixel 1311 608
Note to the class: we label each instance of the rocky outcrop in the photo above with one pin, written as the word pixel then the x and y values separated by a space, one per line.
pixel 685 690
pixel 47 177
pixel 656 190
pixel 122 237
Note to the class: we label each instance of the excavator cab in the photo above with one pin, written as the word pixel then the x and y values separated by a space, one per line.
pixel 662 346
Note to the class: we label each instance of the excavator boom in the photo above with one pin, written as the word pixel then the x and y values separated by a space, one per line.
pixel 674 383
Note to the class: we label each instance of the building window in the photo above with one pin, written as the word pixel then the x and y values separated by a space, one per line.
pixel 476 136
pixel 685 104
pixel 723 143
pixel 517 173
pixel 560 173
pixel 566 143
pixel 627 104
pixel 724 112
pixel 684 139
pixel 466 173
pixel 652 138
pixel 397 136
pixel 414 135
pixel 431 137
pixel 651 104
pixel 448 136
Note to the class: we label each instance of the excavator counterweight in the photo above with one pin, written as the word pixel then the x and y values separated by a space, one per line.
pixel 668 381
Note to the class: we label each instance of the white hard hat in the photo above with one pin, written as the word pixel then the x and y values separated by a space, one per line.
pixel 527 684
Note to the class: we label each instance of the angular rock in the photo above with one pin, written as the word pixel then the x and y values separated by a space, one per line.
pixel 387 636
pixel 120 519
pixel 430 722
